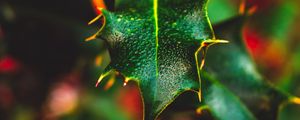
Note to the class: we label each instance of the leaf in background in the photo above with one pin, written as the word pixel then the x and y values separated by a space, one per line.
pixel 289 111
pixel 289 81
pixel 276 21
pixel 218 103
pixel 222 103
pixel 284 31
pixel 268 35
pixel 153 42
pixel 232 66
pixel 221 10
pixel 104 105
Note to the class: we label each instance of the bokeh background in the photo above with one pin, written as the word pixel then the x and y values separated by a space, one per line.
pixel 48 71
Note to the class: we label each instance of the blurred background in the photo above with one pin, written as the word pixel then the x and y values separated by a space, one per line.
pixel 48 71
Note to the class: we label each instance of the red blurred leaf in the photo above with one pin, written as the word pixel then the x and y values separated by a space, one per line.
pixel 254 41
pixel 268 54
pixel 8 64
pixel 131 102
pixel 98 4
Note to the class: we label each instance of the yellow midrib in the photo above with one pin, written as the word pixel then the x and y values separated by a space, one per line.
pixel 155 5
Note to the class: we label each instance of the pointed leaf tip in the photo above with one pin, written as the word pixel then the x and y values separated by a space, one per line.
pixel 102 76
pixel 95 19
pixel 201 108
pixel 210 42
pixel 100 30
pixel 100 8
pixel 295 100
pixel 91 38
pixel 126 80
pixel 200 95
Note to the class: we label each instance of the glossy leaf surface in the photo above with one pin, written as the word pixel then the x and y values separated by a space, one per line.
pixel 154 42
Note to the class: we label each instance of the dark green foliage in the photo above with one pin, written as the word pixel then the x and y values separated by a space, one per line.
pixel 156 47
pixel 154 43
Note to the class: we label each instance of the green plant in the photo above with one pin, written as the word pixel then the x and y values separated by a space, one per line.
pixel 162 44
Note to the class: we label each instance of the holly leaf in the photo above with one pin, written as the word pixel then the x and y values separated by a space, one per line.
pixel 231 65
pixel 221 102
pixel 154 43
pixel 218 103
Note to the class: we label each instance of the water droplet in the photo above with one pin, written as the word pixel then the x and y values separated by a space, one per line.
pixel 174 24
pixel 126 81
pixel 124 84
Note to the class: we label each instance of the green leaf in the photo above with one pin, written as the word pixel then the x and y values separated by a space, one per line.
pixel 222 103
pixel 289 80
pixel 277 21
pixel 232 66
pixel 221 10
pixel 289 111
pixel 154 42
